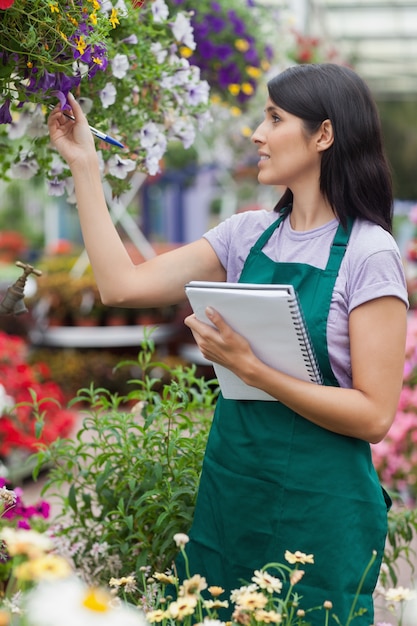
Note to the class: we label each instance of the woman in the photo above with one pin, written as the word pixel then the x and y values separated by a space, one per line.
pixel 294 474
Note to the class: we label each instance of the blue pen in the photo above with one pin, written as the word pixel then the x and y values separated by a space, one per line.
pixel 96 132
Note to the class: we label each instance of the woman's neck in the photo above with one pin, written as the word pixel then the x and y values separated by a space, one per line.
pixel 308 217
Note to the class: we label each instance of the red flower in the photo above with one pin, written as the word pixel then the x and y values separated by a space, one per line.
pixel 6 4
pixel 21 382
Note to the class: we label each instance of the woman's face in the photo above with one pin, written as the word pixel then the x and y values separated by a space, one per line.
pixel 287 154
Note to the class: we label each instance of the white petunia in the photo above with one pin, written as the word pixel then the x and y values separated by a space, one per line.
pixel 120 168
pixel 57 166
pixel 37 126
pixel 120 65
pixel 26 168
pixel 203 119
pixel 108 95
pixel 183 31
pixel 17 128
pixel 149 135
pixel 86 104
pixel 56 187
pixel 198 93
pixel 185 132
pixel 152 160
pixel 159 51
pixel 160 11
pixel 107 7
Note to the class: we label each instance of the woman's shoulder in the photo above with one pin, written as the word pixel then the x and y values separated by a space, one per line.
pixel 261 217
pixel 252 221
pixel 370 238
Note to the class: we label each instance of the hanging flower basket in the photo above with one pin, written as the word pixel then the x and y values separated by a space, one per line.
pixel 123 61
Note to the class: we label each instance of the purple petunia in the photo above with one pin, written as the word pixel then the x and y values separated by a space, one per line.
pixel 239 25
pixel 5 115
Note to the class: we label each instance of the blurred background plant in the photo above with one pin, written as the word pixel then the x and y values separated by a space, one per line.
pixel 16 514
pixel 395 457
pixel 31 406
pixel 232 49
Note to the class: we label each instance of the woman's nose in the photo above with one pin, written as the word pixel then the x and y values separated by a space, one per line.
pixel 257 135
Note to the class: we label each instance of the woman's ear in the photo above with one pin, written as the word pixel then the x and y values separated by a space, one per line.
pixel 325 136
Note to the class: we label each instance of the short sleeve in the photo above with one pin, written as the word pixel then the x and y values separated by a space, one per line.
pixel 380 274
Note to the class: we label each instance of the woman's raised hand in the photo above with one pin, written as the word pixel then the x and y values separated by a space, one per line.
pixel 72 139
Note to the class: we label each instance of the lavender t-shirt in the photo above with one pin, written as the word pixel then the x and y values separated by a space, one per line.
pixel 371 268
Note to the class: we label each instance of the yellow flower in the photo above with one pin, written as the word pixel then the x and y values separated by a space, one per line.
pixel 253 72
pixel 185 52
pixel 165 579
pixel 216 591
pixel 182 607
pixel 268 617
pixel 93 18
pixel 235 111
pixel 298 557
pixel 246 131
pixel 96 600
pixel 28 542
pixel 251 600
pixel 193 585
pixel 242 45
pixel 247 89
pixel 113 18
pixel 264 580
pixel 215 604
pixel 54 7
pixel 234 89
pixel 81 45
pixel 128 582
pixel 156 616
pixel 48 567
pixel 399 594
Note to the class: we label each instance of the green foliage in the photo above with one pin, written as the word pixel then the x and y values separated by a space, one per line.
pixel 399 123
pixel 402 528
pixel 126 484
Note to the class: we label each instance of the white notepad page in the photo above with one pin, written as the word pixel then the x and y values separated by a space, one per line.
pixel 270 318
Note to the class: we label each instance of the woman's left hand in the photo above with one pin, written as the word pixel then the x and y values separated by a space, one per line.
pixel 220 344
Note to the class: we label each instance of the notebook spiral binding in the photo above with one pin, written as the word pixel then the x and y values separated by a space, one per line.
pixel 307 347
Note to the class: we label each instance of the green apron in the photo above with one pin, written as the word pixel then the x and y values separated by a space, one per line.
pixel 273 481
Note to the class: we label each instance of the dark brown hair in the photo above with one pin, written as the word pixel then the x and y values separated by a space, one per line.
pixel 355 176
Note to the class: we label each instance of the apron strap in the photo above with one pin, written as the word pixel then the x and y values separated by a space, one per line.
pixel 263 239
pixel 338 248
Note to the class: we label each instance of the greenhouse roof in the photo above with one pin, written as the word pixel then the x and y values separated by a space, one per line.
pixel 379 38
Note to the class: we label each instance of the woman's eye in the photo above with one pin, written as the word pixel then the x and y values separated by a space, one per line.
pixel 275 119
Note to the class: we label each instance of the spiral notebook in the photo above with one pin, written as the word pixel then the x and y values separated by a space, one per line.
pixel 270 318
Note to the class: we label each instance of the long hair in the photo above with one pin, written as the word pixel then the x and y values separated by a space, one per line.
pixel 355 176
